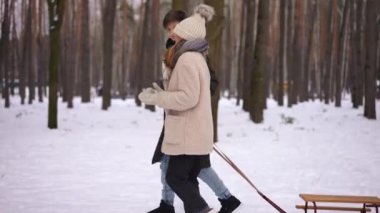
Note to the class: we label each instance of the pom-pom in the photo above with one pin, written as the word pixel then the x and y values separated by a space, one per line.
pixel 205 11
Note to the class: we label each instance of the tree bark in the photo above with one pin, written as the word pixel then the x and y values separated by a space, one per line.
pixel 214 37
pixel 32 51
pixel 85 52
pixel 108 28
pixel 40 58
pixel 23 57
pixel 359 68
pixel 56 11
pixel 185 5
pixel 290 54
pixel 340 58
pixel 15 54
pixel 298 50
pixel 308 51
pixel 281 63
pixel 147 55
pixel 4 51
pixel 257 80
pixel 243 29
pixel 370 62
pixel 327 64
pixel 248 63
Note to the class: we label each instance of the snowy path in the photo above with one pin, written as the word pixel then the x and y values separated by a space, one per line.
pixel 99 162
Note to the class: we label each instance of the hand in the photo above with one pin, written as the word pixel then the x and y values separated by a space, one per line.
pixel 148 96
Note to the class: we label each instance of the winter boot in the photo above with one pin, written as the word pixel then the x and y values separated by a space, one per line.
pixel 163 208
pixel 229 204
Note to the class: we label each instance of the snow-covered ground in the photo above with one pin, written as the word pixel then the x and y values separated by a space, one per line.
pixel 99 161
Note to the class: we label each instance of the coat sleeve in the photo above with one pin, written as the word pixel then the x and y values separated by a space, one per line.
pixel 188 92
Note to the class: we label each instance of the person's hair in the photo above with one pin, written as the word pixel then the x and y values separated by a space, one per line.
pixel 169 59
pixel 173 15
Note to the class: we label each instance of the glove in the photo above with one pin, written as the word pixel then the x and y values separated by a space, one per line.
pixel 157 88
pixel 149 90
pixel 148 96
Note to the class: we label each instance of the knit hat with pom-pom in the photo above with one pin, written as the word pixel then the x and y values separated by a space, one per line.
pixel 195 26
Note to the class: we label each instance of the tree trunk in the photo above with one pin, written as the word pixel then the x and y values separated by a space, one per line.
pixel 108 28
pixel 85 52
pixel 327 64
pixel 228 51
pixel 23 50
pixel 334 48
pixel 281 63
pixel 56 11
pixel 290 54
pixel 270 75
pixel 243 29
pixel 185 5
pixel 214 37
pixel 40 58
pixel 370 62
pixel 353 50
pixel 15 54
pixel 248 55
pixel 308 51
pixel 137 83
pixel 4 51
pixel 340 56
pixel 32 52
pixel 257 81
pixel 72 43
pixel 298 50
pixel 147 55
pixel 359 68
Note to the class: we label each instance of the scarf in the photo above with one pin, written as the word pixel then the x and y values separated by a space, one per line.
pixel 196 45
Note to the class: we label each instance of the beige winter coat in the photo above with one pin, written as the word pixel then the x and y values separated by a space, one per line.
pixel 187 101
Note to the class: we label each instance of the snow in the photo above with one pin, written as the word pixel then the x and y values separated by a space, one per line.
pixel 99 161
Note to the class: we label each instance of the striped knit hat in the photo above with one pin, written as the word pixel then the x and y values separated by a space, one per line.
pixel 195 26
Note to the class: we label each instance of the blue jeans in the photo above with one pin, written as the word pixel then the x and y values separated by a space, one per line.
pixel 207 175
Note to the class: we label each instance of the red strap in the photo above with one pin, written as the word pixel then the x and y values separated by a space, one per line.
pixel 236 168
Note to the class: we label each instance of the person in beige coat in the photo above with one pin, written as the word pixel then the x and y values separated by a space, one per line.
pixel 188 134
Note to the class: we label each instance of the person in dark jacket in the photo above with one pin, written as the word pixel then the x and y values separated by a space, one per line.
pixel 208 175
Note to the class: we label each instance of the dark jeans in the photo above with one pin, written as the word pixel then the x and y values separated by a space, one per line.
pixel 182 176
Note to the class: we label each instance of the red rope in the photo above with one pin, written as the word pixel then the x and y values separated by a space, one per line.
pixel 236 168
